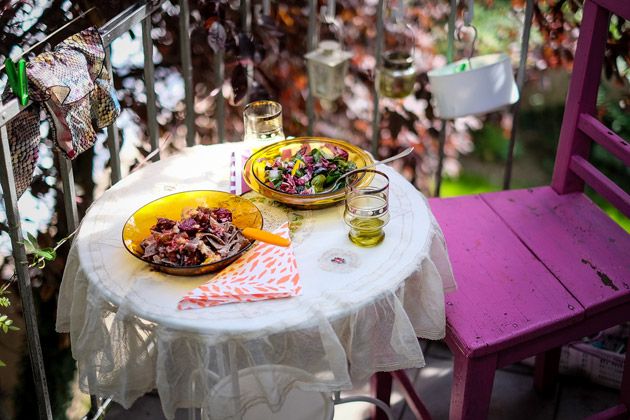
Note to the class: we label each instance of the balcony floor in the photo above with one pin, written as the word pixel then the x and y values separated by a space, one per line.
pixel 513 396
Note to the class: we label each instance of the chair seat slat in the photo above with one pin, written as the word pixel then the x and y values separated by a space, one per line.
pixel 609 140
pixel 584 249
pixel 505 295
pixel 601 183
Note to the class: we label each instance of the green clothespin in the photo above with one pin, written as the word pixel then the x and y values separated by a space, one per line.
pixel 12 74
pixel 17 79
pixel 23 96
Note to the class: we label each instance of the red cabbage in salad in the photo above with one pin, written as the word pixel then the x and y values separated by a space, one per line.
pixel 202 235
pixel 309 171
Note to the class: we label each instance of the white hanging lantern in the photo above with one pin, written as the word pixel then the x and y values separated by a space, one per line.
pixel 327 68
pixel 328 63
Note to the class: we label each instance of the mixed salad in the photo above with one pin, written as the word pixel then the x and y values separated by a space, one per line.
pixel 203 235
pixel 309 171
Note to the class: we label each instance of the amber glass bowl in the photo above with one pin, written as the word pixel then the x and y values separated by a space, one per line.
pixel 254 171
pixel 138 226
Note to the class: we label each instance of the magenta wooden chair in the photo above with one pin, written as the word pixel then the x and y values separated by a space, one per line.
pixel 540 267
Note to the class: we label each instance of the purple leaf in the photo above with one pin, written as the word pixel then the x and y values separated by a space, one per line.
pixel 216 37
pixel 245 46
pixel 239 82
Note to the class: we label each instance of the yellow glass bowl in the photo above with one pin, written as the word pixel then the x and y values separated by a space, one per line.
pixel 138 226
pixel 254 171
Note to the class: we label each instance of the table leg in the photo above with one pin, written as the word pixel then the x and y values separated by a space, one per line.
pixel 236 390
pixel 191 410
pixel 413 400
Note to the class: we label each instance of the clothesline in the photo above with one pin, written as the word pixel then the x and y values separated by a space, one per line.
pixel 111 30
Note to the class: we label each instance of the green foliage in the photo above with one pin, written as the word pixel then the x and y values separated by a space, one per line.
pixel 466 184
pixel 610 210
pixel 6 323
pixel 491 144
pixel 40 255
pixel 499 28
pixel 613 101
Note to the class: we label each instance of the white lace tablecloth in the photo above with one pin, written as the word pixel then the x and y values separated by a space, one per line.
pixel 360 312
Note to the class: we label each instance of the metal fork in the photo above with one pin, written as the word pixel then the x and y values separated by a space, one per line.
pixel 378 162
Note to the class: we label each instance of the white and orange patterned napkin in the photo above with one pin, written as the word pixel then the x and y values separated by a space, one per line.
pixel 266 272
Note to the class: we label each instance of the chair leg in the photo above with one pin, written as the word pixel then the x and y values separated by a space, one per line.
pixel 624 396
pixel 472 387
pixel 411 396
pixel 382 390
pixel 546 371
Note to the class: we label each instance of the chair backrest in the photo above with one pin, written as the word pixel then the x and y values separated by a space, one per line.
pixel 579 125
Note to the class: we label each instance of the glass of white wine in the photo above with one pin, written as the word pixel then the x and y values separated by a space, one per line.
pixel 367 208
pixel 263 123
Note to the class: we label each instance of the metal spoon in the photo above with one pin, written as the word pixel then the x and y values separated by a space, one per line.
pixel 378 162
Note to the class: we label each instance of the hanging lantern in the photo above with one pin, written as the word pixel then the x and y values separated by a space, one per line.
pixel 328 64
pixel 327 69
pixel 396 73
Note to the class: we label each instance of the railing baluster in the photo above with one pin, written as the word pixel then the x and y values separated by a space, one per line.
pixel 449 59
pixel 246 18
pixel 311 45
pixel 266 7
pixel 451 31
pixel 441 143
pixel 520 81
pixel 219 101
pixel 149 83
pixel 7 181
pixel 113 139
pixel 184 45
pixel 331 8
pixel 69 192
pixel 246 26
pixel 376 117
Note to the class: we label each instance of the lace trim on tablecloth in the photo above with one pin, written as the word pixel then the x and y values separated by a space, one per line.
pixel 124 356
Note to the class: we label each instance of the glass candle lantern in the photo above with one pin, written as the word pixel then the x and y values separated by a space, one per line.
pixel 327 68
pixel 397 74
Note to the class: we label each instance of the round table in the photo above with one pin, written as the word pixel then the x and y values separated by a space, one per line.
pixel 360 311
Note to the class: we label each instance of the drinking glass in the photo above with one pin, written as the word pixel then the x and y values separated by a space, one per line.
pixel 367 208
pixel 263 122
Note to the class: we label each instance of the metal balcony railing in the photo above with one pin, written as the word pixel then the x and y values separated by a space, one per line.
pixel 119 25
